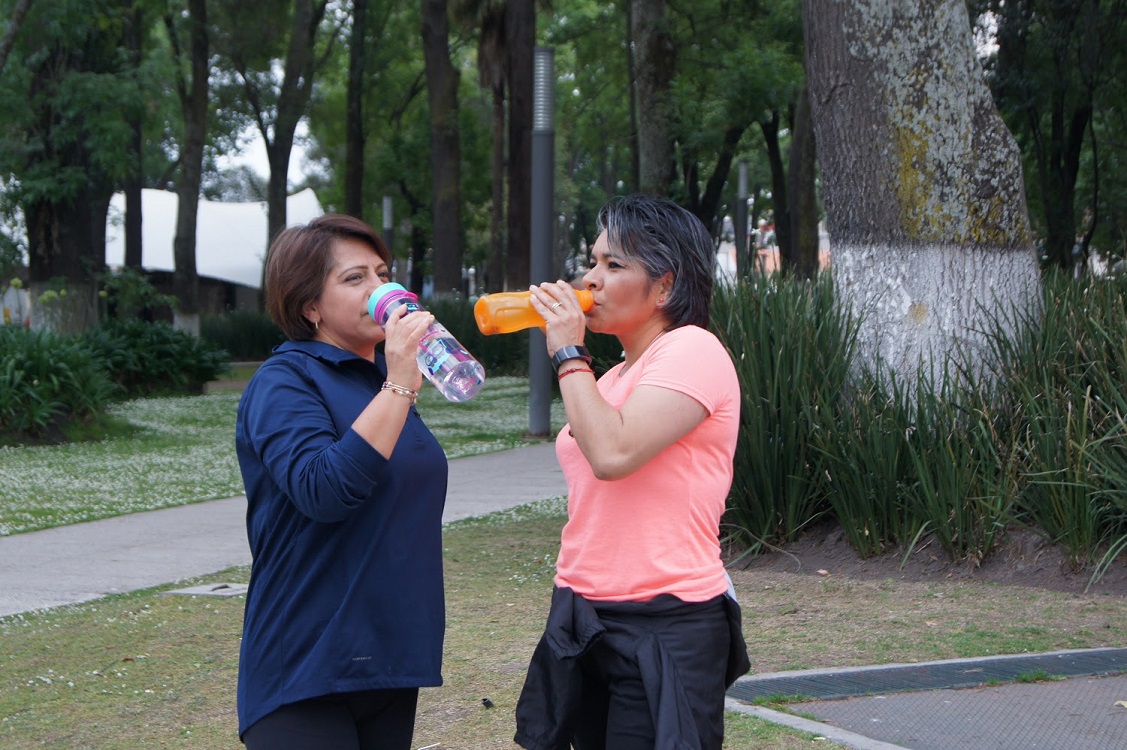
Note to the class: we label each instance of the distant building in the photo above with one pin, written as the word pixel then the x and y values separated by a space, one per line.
pixel 230 244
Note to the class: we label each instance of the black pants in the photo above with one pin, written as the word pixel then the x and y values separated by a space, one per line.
pixel 616 714
pixel 368 720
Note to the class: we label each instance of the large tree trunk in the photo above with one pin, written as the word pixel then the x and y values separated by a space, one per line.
pixel 800 255
pixel 293 98
pixel 66 225
pixel 922 181
pixel 15 23
pixel 134 180
pixel 520 42
pixel 492 67
pixel 1055 59
pixel 655 61
pixel 354 148
pixel 64 240
pixel 445 149
pixel 194 107
pixel 495 270
pixel 779 196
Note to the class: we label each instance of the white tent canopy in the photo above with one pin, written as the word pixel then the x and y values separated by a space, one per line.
pixel 230 237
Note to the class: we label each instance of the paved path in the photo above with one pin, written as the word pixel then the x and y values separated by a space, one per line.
pixel 1078 713
pixel 85 561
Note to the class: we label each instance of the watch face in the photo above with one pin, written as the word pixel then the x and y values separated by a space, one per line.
pixel 570 352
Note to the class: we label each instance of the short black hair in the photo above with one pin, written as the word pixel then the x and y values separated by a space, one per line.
pixel 664 237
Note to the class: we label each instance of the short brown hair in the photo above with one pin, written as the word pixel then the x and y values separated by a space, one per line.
pixel 299 261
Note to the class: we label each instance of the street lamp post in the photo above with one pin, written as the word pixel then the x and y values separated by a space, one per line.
pixel 540 261
pixel 388 234
pixel 741 222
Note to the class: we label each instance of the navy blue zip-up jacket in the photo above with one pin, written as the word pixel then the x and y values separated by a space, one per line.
pixel 346 580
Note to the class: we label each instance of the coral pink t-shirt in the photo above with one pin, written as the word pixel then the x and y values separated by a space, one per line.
pixel 657 530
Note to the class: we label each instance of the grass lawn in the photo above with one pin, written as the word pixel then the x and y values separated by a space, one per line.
pixel 148 669
pixel 173 451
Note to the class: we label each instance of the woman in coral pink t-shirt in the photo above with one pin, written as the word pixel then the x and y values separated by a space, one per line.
pixel 643 638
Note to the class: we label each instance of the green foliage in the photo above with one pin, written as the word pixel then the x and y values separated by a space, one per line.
pixel 792 351
pixel 1056 75
pixel 964 474
pixel 1064 380
pixel 11 257
pixel 129 294
pixel 247 336
pixel 62 99
pixel 47 382
pixel 1038 440
pixel 154 358
pixel 868 465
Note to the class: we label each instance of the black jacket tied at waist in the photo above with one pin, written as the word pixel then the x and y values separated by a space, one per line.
pixel 549 703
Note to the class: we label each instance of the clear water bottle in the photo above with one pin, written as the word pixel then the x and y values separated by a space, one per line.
pixel 444 362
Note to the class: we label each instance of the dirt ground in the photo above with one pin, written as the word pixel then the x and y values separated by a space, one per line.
pixel 1021 559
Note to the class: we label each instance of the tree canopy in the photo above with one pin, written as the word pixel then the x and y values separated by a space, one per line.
pixel 726 77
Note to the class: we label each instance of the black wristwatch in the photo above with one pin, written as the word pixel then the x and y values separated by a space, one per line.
pixel 564 353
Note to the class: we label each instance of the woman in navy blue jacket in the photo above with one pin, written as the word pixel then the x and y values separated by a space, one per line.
pixel 345 488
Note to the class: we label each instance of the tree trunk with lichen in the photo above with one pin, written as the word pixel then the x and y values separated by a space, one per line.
pixel 922 182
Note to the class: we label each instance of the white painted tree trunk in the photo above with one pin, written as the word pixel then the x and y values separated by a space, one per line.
pixel 925 203
pixel 187 322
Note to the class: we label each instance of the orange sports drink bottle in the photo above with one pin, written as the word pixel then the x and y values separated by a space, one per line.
pixel 506 312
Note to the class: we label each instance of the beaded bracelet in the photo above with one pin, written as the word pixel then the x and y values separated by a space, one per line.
pixel 569 371
pixel 401 390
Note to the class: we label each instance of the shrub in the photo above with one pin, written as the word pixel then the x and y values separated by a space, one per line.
pixel 1037 440
pixel 792 350
pixel 247 336
pixel 48 383
pixel 1063 378
pixel 154 358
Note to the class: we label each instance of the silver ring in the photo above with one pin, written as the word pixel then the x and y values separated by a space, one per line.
pixel 556 305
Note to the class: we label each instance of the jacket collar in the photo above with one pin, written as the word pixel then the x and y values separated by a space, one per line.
pixel 327 353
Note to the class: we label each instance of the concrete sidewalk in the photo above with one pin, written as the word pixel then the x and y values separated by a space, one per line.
pixel 85 561
pixel 1075 706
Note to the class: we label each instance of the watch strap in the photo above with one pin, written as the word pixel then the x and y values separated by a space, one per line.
pixel 565 353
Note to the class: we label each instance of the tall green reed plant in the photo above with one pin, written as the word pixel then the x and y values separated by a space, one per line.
pixel 1061 498
pixel 964 475
pixel 867 463
pixel 792 348
pixel 1109 459
pixel 1064 374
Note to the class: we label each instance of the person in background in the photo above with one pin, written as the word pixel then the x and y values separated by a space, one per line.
pixel 764 236
pixel 345 490
pixel 643 635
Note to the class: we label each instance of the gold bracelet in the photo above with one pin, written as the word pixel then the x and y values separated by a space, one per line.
pixel 569 371
pixel 401 390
